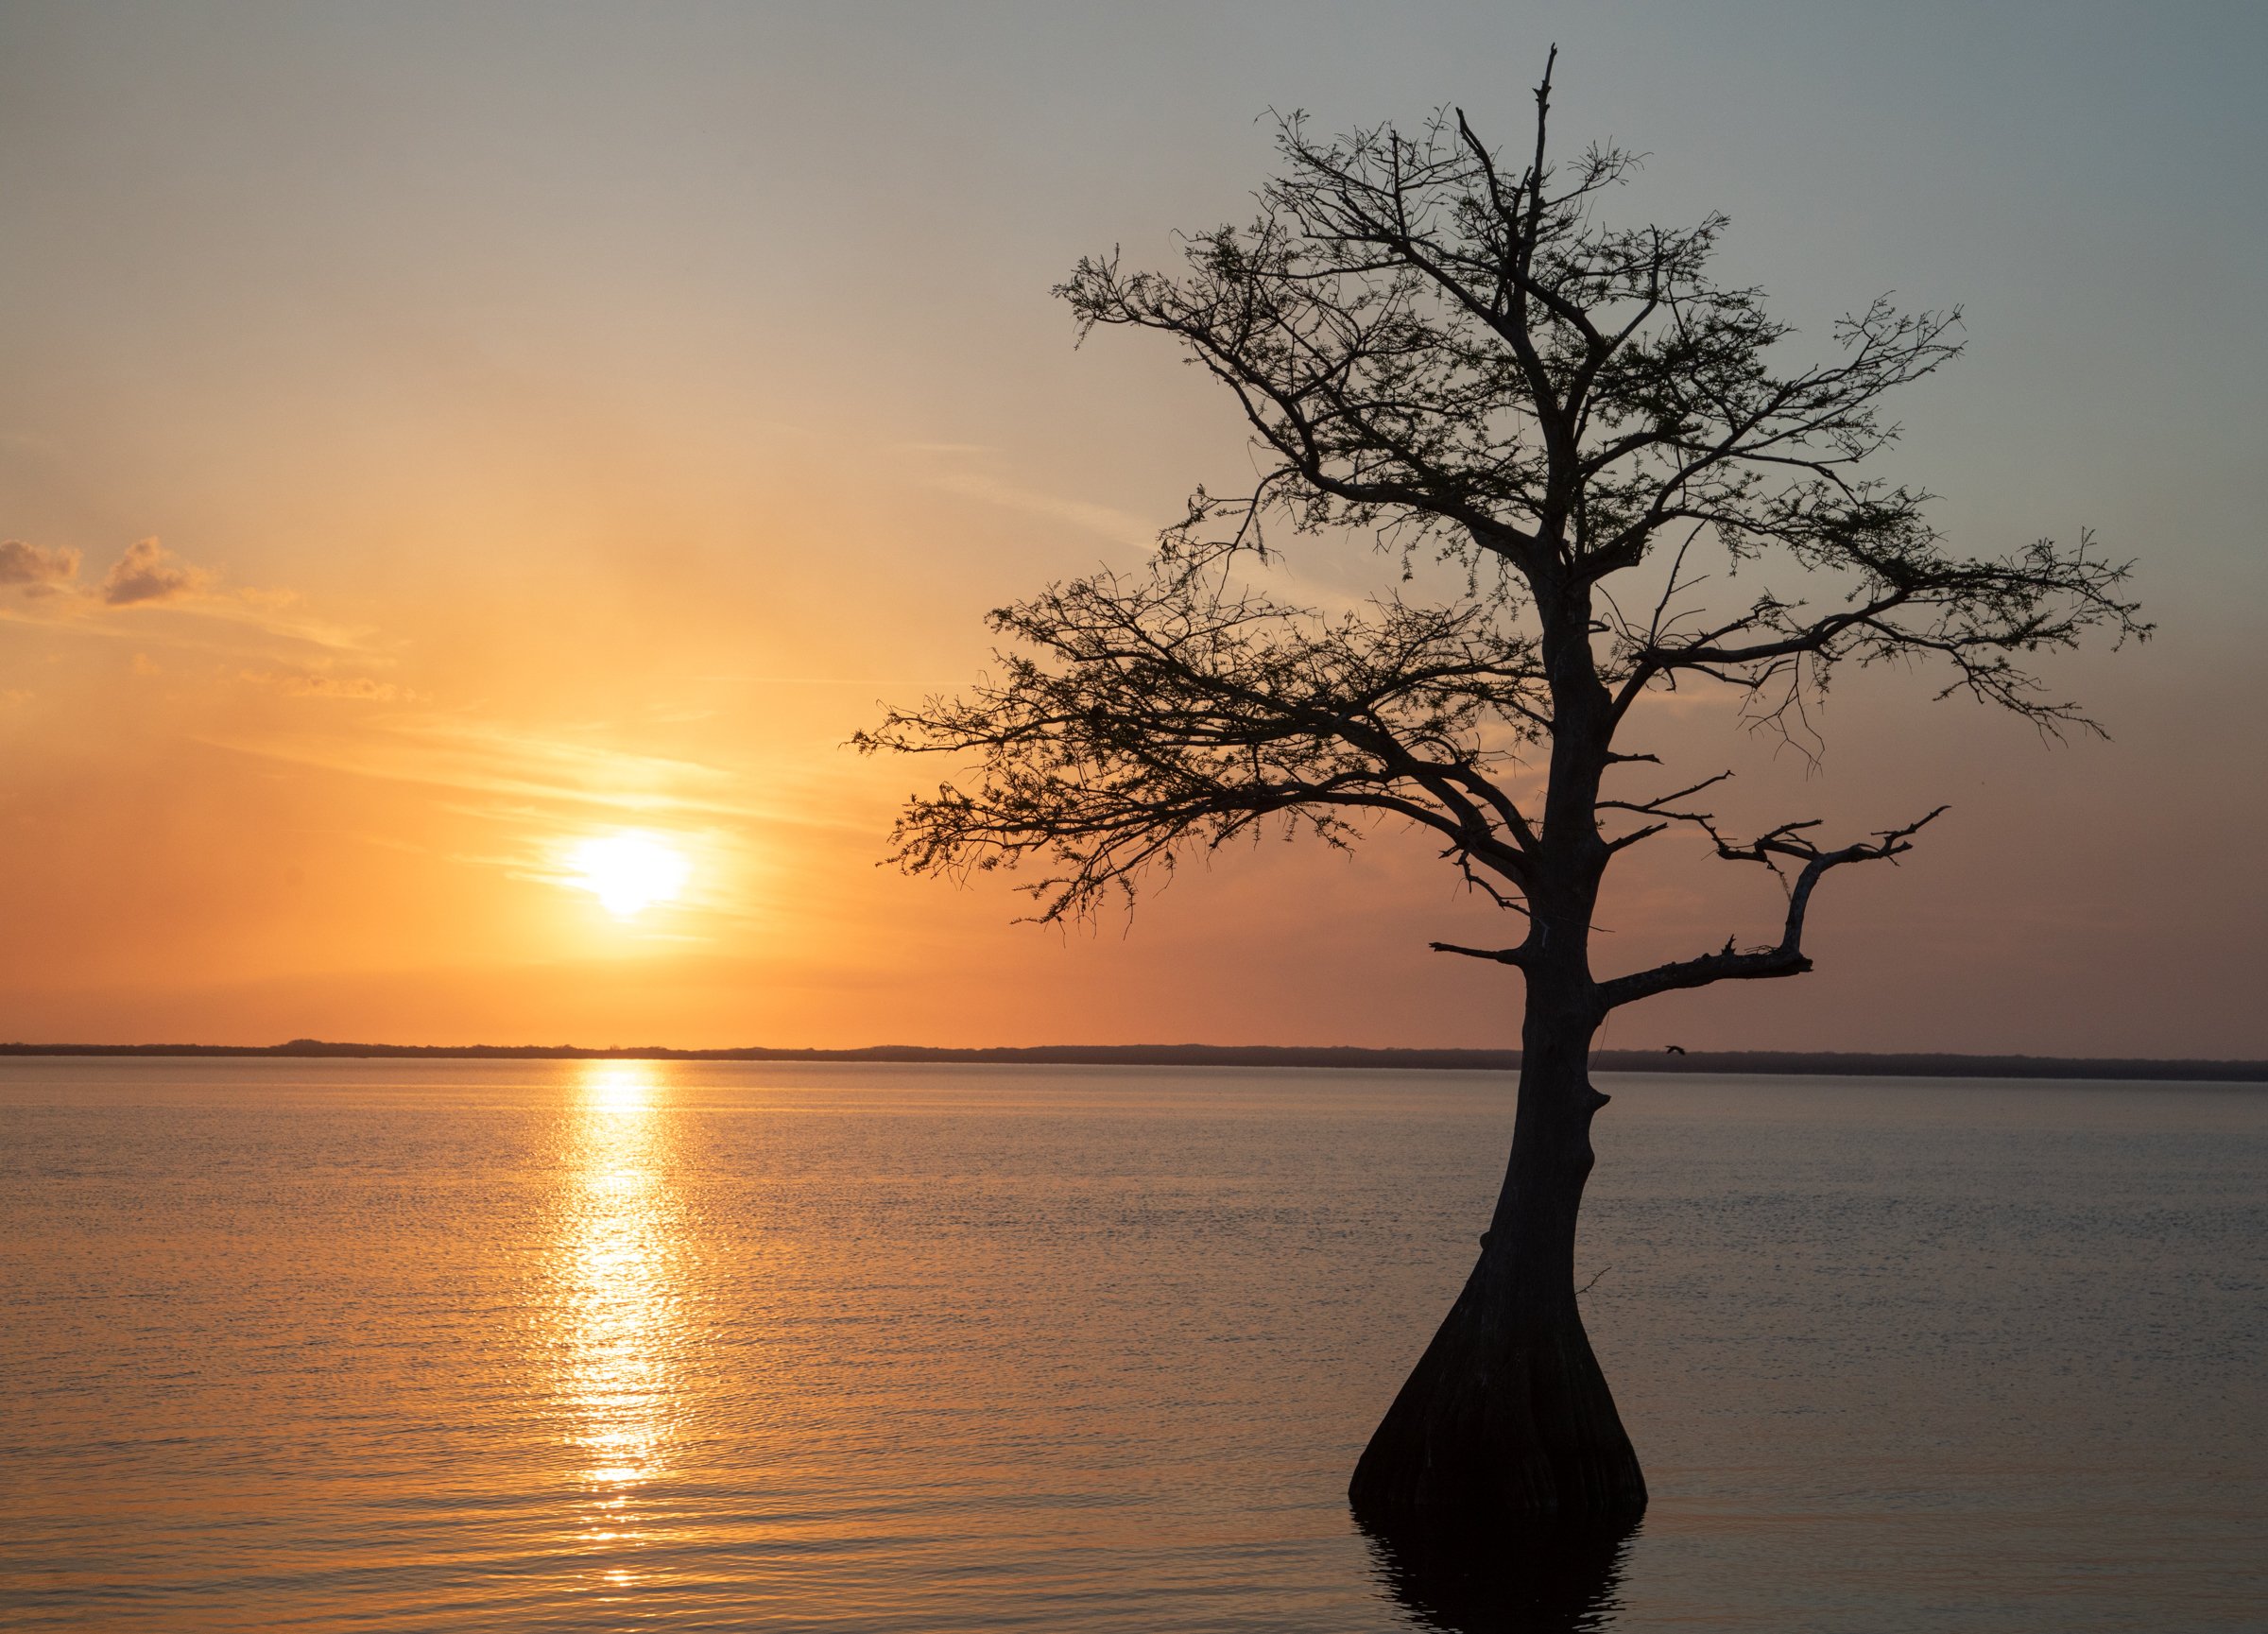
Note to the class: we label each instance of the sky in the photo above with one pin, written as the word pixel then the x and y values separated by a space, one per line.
pixel 437 441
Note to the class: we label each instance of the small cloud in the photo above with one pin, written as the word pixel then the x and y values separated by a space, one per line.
pixel 148 572
pixel 13 695
pixel 305 683
pixel 38 569
pixel 142 665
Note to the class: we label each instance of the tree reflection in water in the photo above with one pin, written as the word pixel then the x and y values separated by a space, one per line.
pixel 1523 1577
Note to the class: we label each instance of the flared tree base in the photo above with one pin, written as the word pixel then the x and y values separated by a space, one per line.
pixel 1505 1416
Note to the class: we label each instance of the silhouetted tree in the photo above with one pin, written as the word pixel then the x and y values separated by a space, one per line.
pixel 1455 352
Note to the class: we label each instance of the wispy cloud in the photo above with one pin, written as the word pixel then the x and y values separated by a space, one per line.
pixel 321 683
pixel 952 471
pixel 277 614
pixel 551 769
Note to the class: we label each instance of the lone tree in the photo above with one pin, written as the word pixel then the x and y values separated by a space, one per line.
pixel 1450 350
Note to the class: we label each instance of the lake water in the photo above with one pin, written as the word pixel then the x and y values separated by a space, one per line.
pixel 667 1346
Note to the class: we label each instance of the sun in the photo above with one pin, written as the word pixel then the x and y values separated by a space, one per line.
pixel 627 872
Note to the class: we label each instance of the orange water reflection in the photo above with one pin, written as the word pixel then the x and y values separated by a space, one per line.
pixel 620 1311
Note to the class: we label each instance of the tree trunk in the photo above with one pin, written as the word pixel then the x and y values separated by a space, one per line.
pixel 1507 1413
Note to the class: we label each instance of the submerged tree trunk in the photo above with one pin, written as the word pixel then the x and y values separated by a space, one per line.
pixel 1507 1412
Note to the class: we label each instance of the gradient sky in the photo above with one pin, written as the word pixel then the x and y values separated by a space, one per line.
pixel 436 435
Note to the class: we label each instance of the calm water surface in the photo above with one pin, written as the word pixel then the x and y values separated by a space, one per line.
pixel 579 1345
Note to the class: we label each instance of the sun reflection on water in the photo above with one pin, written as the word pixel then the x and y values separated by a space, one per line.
pixel 617 1274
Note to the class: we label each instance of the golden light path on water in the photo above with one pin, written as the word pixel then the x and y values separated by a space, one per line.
pixel 621 1316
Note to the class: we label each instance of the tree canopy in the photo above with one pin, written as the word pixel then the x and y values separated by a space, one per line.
pixel 1455 351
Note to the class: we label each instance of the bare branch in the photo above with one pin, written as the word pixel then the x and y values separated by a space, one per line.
pixel 1177 712
pixel 1501 956
pixel 1915 601
pixel 1786 843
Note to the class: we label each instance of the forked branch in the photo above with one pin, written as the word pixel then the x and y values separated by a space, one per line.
pixel 1775 849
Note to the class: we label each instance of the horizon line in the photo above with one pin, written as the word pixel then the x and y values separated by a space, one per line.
pixel 1886 1063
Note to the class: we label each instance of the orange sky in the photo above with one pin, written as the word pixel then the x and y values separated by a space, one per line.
pixel 433 439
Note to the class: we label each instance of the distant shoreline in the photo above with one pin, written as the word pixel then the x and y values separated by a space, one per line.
pixel 1808 1062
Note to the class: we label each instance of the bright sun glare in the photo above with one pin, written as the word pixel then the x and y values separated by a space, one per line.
pixel 628 873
